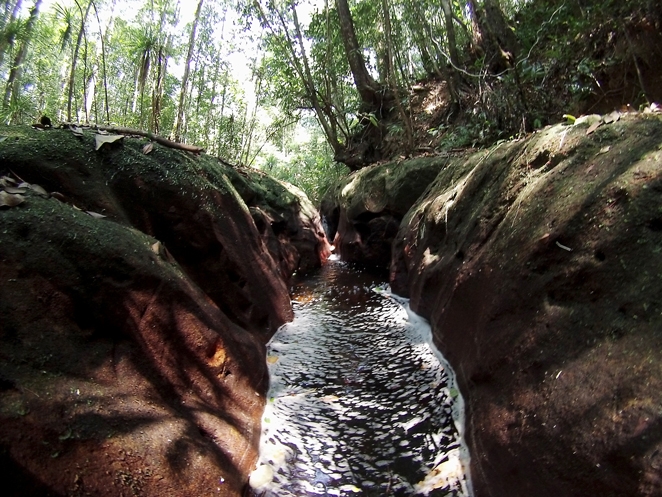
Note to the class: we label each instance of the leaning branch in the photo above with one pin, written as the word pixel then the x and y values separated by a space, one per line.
pixel 158 139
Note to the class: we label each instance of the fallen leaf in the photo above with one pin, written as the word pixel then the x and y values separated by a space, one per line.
pixel 3 138
pixel 612 117
pixel 10 200
pixel 77 208
pixel 604 150
pixel 593 127
pixel 39 190
pixel 559 245
pixel 95 214
pixel 156 248
pixel 7 181
pixel 570 119
pixel 100 139
pixel 272 359
pixel 13 189
pixel 59 196
pixel 76 130
pixel 148 148
pixel 652 109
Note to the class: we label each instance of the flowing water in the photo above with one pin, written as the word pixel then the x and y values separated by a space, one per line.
pixel 360 402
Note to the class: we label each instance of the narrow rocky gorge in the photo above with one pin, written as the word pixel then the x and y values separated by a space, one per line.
pixel 137 294
pixel 537 263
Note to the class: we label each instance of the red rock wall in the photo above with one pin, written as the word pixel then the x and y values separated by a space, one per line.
pixel 132 346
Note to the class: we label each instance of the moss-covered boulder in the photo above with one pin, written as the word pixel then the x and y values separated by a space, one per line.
pixel 538 264
pixel 363 211
pixel 137 293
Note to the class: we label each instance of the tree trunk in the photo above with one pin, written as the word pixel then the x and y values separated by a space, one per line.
pixel 74 59
pixel 325 119
pixel 161 72
pixel 187 69
pixel 493 36
pixel 4 42
pixel 369 90
pixel 391 82
pixel 14 79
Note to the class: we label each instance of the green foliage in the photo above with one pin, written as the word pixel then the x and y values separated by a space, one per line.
pixel 307 164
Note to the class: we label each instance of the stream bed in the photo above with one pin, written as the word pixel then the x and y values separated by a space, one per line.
pixel 360 401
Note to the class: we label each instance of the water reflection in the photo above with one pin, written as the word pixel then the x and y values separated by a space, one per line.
pixel 359 403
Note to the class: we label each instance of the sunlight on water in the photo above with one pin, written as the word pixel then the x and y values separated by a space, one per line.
pixel 360 402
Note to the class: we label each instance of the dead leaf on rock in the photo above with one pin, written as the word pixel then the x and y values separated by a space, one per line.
pixel 77 208
pixel 156 248
pixel 593 127
pixel 612 117
pixel 13 189
pixel 10 199
pixel 604 150
pixel 148 148
pixel 95 214
pixel 76 130
pixel 59 196
pixel 100 139
pixel 7 181
pixel 39 190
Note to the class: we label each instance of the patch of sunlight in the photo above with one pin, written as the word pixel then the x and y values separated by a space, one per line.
pixel 429 258
pixel 349 188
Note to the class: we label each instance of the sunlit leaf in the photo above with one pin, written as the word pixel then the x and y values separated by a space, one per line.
pixel 95 214
pixel 148 148
pixel 7 181
pixel 76 130
pixel 39 190
pixel 12 189
pixel 10 200
pixel 99 140
pixel 612 117
pixel 593 127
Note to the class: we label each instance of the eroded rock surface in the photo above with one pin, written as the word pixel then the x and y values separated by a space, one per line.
pixel 363 213
pixel 132 345
pixel 537 263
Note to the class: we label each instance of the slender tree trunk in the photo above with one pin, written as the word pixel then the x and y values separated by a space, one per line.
pixel 307 78
pixel 14 79
pixel 187 69
pixel 161 71
pixel 102 38
pixel 368 88
pixel 392 83
pixel 72 73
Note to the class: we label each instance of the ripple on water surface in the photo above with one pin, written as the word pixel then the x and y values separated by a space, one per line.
pixel 360 402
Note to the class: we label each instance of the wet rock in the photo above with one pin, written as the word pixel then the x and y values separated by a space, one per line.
pixel 364 211
pixel 132 337
pixel 537 263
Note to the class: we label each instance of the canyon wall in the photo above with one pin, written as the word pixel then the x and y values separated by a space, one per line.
pixel 138 291
pixel 537 262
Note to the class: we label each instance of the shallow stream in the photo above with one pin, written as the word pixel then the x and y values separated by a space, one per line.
pixel 360 402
